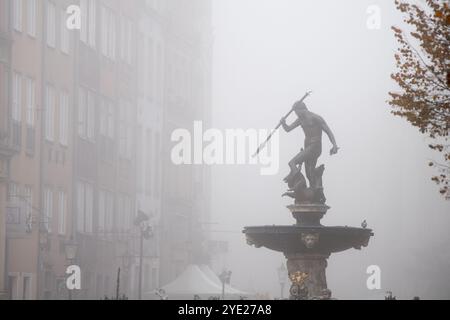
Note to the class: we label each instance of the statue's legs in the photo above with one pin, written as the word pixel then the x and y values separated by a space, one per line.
pixel 296 163
pixel 309 156
pixel 310 166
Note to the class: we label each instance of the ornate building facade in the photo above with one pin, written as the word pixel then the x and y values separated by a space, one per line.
pixel 85 123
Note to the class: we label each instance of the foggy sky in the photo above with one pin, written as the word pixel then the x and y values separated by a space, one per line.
pixel 267 53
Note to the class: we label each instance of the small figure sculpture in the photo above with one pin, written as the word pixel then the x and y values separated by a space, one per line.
pixel 313 125
pixel 299 290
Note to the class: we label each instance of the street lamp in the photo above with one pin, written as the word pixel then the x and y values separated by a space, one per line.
pixel 225 278
pixel 282 278
pixel 146 232
pixel 70 249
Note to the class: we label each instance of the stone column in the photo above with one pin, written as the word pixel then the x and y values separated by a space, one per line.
pixel 314 267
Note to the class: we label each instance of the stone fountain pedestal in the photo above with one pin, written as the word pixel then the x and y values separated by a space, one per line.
pixel 307 245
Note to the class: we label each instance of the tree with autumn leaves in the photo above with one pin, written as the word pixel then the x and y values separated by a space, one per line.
pixel 423 75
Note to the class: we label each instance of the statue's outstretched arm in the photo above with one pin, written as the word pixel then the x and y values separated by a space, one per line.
pixel 330 135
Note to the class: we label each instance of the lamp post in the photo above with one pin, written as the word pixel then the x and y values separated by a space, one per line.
pixel 70 249
pixel 282 278
pixel 146 233
pixel 225 278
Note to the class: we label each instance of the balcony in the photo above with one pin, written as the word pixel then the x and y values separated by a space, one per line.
pixel 5 47
pixel 16 135
pixel 18 224
pixel 30 140
pixel 6 152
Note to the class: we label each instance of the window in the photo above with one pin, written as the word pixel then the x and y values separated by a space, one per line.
pixel 105 211
pixel 151 69
pixel 156 154
pixel 65 35
pixel 112 36
pixel 159 74
pixel 31 18
pixel 86 114
pixel 107 119
pixel 63 119
pixel 26 287
pixel 110 121
pixel 92 18
pixel 13 193
pixel 84 24
pixel 103 117
pixel 85 204
pixel 126 130
pixel 28 205
pixel 17 97
pixel 62 213
pixel 149 162
pixel 89 207
pixel 126 40
pixel 88 19
pixel 49 113
pixel 109 213
pixel 90 116
pixel 104 38
pixel 48 209
pixel 124 212
pixel 122 130
pixel 81 207
pixel 82 113
pixel 108 33
pixel 101 211
pixel 31 101
pixel 120 213
pixel 13 285
pixel 51 25
pixel 17 15
pixel 30 110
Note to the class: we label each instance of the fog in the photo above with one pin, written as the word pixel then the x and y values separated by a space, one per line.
pixel 93 101
pixel 267 54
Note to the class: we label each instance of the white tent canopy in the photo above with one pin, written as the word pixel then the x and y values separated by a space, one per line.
pixel 228 289
pixel 193 281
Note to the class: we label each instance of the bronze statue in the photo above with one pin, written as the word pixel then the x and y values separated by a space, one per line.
pixel 313 125
pixel 308 244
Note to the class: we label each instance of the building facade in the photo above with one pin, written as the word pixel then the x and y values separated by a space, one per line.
pixel 25 111
pixel 6 150
pixel 186 189
pixel 85 121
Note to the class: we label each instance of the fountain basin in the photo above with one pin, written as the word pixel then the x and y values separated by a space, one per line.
pixel 298 239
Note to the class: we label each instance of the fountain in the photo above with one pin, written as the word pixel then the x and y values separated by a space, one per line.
pixel 308 244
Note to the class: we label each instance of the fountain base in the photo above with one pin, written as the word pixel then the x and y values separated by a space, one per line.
pixel 307 245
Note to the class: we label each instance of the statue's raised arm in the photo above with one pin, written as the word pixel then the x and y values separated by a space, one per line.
pixel 289 128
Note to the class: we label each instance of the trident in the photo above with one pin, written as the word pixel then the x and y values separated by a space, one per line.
pixel 278 126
